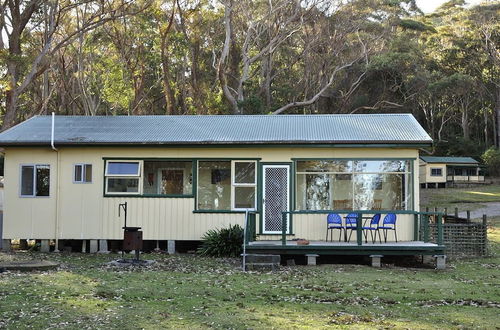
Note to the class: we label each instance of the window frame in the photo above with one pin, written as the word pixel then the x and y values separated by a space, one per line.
pixel 235 184
pixel 139 167
pixel 436 168
pixel 158 177
pixel 196 175
pixel 33 195
pixel 123 176
pixel 83 173
pixel 409 171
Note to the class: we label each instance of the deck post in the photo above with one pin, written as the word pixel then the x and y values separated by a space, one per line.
pixel 415 227
pixel 485 229
pixel 426 228
pixel 283 228
pixel 439 229
pixel 359 229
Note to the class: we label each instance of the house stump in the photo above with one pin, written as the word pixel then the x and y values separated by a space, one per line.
pixel 45 245
pixel 311 259
pixel 376 260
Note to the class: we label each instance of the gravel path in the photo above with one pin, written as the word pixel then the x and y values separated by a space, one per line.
pixel 491 209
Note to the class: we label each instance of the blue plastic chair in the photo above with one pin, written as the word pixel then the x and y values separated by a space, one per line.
pixel 389 223
pixel 333 221
pixel 373 227
pixel 351 224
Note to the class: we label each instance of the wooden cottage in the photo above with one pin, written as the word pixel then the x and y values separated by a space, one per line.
pixel 442 172
pixel 182 175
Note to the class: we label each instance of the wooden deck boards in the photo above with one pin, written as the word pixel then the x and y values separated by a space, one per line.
pixel 345 248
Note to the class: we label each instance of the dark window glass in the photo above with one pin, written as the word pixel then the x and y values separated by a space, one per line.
pixel 78 173
pixel 27 182
pixel 42 180
pixel 123 168
pixel 88 173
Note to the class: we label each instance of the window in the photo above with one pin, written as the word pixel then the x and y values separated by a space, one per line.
pixel 352 184
pixel 82 173
pixel 123 177
pixel 316 182
pixel 168 178
pixel 150 177
pixel 227 185
pixel 436 172
pixel 244 184
pixel 35 180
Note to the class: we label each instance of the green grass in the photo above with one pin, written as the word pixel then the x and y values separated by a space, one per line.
pixel 195 292
pixel 463 198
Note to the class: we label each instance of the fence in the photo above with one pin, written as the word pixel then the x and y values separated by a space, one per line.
pixel 462 238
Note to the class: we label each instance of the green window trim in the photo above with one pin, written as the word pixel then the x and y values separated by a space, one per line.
pixel 141 176
pixel 409 171
pixel 256 185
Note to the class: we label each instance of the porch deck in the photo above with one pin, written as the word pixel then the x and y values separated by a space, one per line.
pixel 345 248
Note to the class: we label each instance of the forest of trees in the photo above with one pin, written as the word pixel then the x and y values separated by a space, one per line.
pixel 175 57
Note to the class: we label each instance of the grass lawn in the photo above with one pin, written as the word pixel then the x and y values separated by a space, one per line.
pixel 463 198
pixel 195 292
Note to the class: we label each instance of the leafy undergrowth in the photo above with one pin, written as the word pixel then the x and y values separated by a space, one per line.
pixel 462 198
pixel 196 292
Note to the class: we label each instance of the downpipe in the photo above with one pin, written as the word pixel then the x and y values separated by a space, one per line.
pixel 58 163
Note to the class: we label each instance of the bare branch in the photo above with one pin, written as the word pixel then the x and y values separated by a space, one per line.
pixel 318 94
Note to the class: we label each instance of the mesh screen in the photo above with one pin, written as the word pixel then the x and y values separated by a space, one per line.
pixel 276 192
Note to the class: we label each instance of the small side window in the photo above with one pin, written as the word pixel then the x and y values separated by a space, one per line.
pixel 436 172
pixel 35 180
pixel 82 173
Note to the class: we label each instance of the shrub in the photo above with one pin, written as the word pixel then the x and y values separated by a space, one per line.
pixel 491 158
pixel 225 242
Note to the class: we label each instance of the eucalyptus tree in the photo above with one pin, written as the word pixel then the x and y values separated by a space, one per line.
pixel 31 32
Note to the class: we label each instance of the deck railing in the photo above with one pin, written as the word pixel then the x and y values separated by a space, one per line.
pixel 421 220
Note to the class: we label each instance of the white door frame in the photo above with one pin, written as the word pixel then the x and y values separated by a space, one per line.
pixel 264 167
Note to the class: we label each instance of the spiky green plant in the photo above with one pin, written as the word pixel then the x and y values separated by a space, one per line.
pixel 224 242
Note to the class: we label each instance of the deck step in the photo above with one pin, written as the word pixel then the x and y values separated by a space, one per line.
pixel 262 261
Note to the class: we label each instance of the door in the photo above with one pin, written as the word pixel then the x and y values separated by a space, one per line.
pixel 276 197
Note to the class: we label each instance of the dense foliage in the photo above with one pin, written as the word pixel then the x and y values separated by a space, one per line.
pixel 491 158
pixel 224 242
pixel 257 57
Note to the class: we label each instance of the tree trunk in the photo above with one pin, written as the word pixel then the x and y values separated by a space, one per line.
pixel 497 112
pixel 9 118
pixel 465 123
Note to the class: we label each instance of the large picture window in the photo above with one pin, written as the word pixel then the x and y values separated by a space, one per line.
pixel 172 178
pixel 353 184
pixel 227 185
pixel 35 180
pixel 149 177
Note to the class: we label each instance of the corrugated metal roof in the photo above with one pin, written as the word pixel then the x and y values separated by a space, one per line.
pixel 251 129
pixel 453 160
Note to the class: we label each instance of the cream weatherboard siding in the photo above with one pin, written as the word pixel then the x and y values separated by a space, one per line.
pixel 425 173
pixel 81 211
